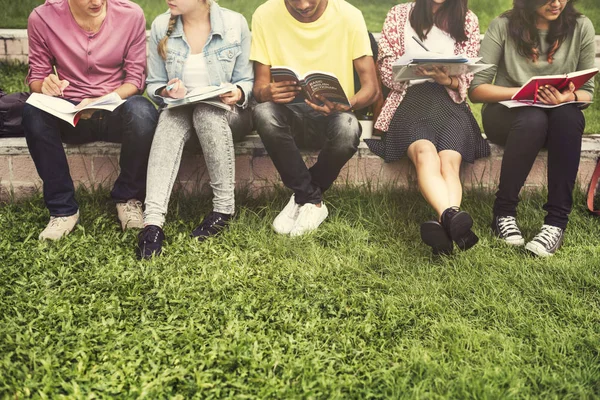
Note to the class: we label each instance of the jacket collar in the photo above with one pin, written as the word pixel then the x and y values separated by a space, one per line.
pixel 217 27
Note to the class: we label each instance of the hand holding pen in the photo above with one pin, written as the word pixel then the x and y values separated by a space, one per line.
pixel 175 89
pixel 53 85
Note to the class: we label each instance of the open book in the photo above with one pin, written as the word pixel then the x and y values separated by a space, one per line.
pixel 66 110
pixel 528 92
pixel 207 95
pixel 312 83
pixel 405 68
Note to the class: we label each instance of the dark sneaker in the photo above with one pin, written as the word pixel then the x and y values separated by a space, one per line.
pixel 506 229
pixel 150 241
pixel 434 235
pixel 458 226
pixel 212 225
pixel 545 243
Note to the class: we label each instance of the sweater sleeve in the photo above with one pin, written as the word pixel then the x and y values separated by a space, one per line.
pixel 491 52
pixel 587 53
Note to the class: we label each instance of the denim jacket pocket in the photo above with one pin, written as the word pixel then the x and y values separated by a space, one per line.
pixel 227 57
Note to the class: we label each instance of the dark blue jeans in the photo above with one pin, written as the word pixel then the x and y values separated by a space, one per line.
pixel 132 124
pixel 283 129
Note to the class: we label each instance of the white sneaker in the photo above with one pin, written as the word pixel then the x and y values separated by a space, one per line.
pixel 130 214
pixel 286 219
pixel 309 218
pixel 545 243
pixel 59 227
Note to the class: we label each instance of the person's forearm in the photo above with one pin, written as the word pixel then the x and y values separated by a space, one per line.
pixel 126 90
pixel 36 86
pixel 581 95
pixel 258 92
pixel 488 93
pixel 364 97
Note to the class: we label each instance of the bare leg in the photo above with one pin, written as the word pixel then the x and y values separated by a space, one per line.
pixel 450 161
pixel 432 184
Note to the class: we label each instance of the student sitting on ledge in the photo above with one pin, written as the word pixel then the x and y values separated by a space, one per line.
pixel 319 35
pixel 428 119
pixel 95 47
pixel 536 37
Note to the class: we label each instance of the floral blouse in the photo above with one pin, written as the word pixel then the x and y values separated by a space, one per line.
pixel 391 47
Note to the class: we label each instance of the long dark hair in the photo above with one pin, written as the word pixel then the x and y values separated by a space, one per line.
pixel 523 31
pixel 450 17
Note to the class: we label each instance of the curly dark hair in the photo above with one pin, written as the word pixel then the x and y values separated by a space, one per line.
pixel 450 17
pixel 522 27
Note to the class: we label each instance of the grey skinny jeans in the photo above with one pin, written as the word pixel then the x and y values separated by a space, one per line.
pixel 216 130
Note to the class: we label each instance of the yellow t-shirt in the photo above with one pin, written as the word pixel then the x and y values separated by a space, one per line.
pixel 329 44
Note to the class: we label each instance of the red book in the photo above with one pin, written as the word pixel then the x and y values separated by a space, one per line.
pixel 529 90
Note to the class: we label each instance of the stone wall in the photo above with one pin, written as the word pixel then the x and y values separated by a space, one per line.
pixel 97 164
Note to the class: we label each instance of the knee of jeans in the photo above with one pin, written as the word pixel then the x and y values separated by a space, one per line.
pixel 140 112
pixel 268 117
pixel 346 131
pixel 570 115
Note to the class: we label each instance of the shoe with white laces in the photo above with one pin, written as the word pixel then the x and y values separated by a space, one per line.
pixel 130 214
pixel 506 228
pixel 284 222
pixel 150 240
pixel 545 243
pixel 309 218
pixel 59 227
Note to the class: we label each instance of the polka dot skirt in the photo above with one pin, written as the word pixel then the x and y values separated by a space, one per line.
pixel 427 112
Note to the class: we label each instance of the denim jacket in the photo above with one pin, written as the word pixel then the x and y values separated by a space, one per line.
pixel 227 53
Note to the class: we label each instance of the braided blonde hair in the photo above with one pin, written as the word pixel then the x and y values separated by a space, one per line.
pixel 162 45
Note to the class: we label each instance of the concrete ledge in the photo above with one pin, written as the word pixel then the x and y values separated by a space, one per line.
pixel 97 164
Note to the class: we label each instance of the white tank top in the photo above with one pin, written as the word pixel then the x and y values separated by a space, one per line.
pixel 195 73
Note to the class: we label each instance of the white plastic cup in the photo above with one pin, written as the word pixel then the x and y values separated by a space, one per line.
pixel 367 128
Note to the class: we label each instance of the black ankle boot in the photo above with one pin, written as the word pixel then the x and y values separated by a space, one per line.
pixel 434 235
pixel 458 227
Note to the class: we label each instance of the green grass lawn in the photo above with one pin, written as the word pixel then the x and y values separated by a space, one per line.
pixel 357 310
pixel 15 12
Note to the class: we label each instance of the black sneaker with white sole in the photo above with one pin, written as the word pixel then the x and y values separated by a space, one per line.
pixel 212 225
pixel 545 243
pixel 150 241
pixel 506 229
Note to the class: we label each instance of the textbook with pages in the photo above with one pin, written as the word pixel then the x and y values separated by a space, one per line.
pixel 208 95
pixel 527 94
pixel 405 68
pixel 66 110
pixel 311 84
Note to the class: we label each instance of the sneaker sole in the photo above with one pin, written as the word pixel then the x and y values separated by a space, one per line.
pixel 434 235
pixel 537 249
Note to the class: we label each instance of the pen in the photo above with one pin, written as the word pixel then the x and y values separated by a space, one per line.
pixel 416 39
pixel 170 87
pixel 56 73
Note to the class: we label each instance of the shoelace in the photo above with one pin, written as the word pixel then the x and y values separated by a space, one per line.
pixel 508 226
pixel 55 221
pixel 150 235
pixel 131 210
pixel 211 221
pixel 548 235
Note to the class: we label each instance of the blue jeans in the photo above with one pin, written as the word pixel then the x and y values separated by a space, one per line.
pixel 216 129
pixel 132 124
pixel 283 129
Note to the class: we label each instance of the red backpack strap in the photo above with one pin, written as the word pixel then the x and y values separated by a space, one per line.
pixel 592 189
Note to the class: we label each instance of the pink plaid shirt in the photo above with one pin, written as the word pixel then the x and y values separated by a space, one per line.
pixel 94 64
